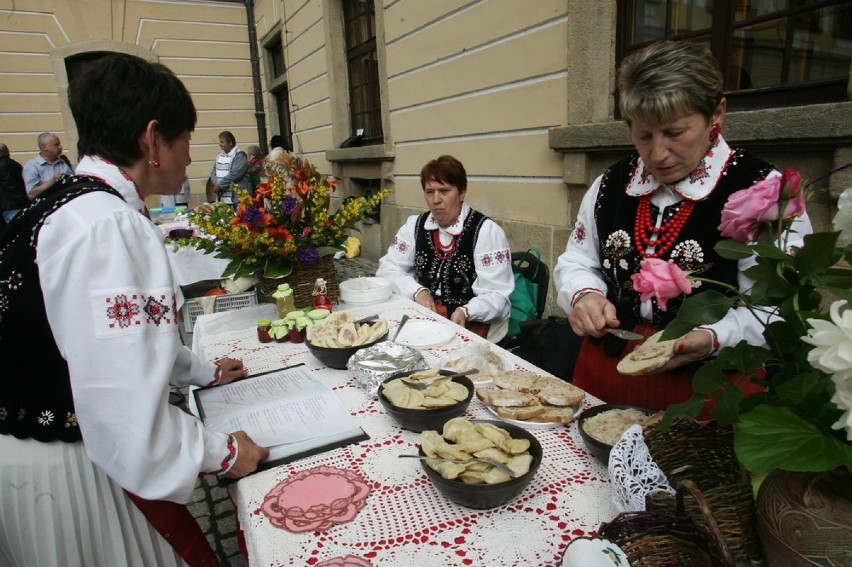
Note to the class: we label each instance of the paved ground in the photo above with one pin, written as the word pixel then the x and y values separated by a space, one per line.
pixel 210 504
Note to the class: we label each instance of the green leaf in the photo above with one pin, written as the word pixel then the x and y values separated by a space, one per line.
pixel 278 268
pixel 772 437
pixel 733 250
pixel 727 408
pixel 691 407
pixel 703 308
pixel 770 250
pixel 708 378
pixel 817 254
pixel 743 358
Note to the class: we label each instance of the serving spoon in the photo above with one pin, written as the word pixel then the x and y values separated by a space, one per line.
pixel 493 462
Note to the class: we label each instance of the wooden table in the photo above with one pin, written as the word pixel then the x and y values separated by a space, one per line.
pixel 405 520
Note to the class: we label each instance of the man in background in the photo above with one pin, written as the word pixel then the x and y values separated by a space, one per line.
pixel 13 194
pixel 41 172
pixel 229 168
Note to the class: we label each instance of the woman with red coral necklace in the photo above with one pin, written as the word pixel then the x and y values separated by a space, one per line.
pixel 452 259
pixel 664 202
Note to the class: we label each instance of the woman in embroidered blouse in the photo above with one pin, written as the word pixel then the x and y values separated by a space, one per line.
pixel 663 202
pixel 453 260
pixel 96 463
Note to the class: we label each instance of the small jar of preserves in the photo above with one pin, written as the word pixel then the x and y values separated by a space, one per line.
pixel 284 300
pixel 263 326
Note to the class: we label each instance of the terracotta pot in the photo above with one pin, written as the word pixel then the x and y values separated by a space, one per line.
pixel 803 520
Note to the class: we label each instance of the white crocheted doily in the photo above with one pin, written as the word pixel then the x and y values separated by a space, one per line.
pixel 633 472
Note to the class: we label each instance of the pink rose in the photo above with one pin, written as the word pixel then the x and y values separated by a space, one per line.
pixel 660 279
pixel 791 181
pixel 747 209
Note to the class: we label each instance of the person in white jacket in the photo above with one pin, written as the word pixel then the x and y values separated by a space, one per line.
pixel 453 259
pixel 97 465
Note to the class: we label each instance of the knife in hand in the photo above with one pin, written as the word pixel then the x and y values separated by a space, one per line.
pixel 622 334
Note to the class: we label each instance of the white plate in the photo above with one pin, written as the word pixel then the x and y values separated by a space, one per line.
pixel 532 424
pixel 425 334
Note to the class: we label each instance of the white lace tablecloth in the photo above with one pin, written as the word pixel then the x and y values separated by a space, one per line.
pixel 406 521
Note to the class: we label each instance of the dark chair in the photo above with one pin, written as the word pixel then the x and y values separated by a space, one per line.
pixel 535 270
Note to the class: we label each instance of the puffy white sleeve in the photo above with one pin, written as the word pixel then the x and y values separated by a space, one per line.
pixel 494 278
pixel 579 267
pixel 110 300
pixel 397 265
pixel 740 324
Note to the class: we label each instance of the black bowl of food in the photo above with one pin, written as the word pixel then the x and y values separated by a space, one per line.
pixel 181 233
pixel 601 426
pixel 430 408
pixel 484 496
pixel 337 357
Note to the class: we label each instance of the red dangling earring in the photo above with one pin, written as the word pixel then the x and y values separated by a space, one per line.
pixel 714 132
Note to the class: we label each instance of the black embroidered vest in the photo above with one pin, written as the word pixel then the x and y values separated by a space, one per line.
pixel 615 215
pixel 455 275
pixel 35 389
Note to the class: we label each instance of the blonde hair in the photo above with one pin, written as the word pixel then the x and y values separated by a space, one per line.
pixel 667 79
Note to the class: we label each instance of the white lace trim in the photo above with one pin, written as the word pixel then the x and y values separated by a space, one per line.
pixel 633 472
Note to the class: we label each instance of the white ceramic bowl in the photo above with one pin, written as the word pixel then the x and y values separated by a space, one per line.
pixel 365 290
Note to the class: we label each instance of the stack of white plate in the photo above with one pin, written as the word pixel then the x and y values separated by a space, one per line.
pixel 365 290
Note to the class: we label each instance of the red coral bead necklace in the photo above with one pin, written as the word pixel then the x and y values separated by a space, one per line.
pixel 442 251
pixel 645 234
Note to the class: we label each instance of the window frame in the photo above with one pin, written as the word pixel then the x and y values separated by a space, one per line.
pixel 367 116
pixel 720 37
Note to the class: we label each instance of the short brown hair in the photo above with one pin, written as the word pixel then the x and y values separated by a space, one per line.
pixel 667 79
pixel 445 169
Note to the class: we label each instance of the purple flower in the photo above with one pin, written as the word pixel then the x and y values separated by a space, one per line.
pixel 308 256
pixel 288 205
pixel 252 216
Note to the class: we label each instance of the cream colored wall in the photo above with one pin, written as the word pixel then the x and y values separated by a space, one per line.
pixel 205 43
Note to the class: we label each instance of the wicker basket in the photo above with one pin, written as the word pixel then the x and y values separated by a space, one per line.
pixel 703 452
pixel 670 538
pixel 302 280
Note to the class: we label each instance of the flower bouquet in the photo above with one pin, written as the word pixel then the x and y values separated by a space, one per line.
pixel 802 420
pixel 284 225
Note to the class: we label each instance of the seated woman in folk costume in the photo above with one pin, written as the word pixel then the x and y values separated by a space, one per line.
pixel 453 259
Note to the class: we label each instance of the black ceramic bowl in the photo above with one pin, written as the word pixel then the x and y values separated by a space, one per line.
pixel 423 419
pixel 338 357
pixel 599 449
pixel 181 233
pixel 483 496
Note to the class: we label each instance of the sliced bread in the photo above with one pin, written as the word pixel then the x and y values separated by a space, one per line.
pixel 647 357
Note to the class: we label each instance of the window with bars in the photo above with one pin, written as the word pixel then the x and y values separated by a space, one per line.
pixel 772 52
pixel 278 88
pixel 362 65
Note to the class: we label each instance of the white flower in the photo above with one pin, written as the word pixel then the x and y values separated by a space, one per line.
pixel 843 399
pixel 833 354
pixel 833 341
pixel 843 218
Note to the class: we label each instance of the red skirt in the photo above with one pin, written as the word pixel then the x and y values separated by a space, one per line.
pixel 596 373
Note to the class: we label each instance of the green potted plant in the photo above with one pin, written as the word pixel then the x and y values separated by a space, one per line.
pixel 802 420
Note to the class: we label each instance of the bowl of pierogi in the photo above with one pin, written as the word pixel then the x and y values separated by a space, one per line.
pixel 425 399
pixel 470 477
pixel 339 336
